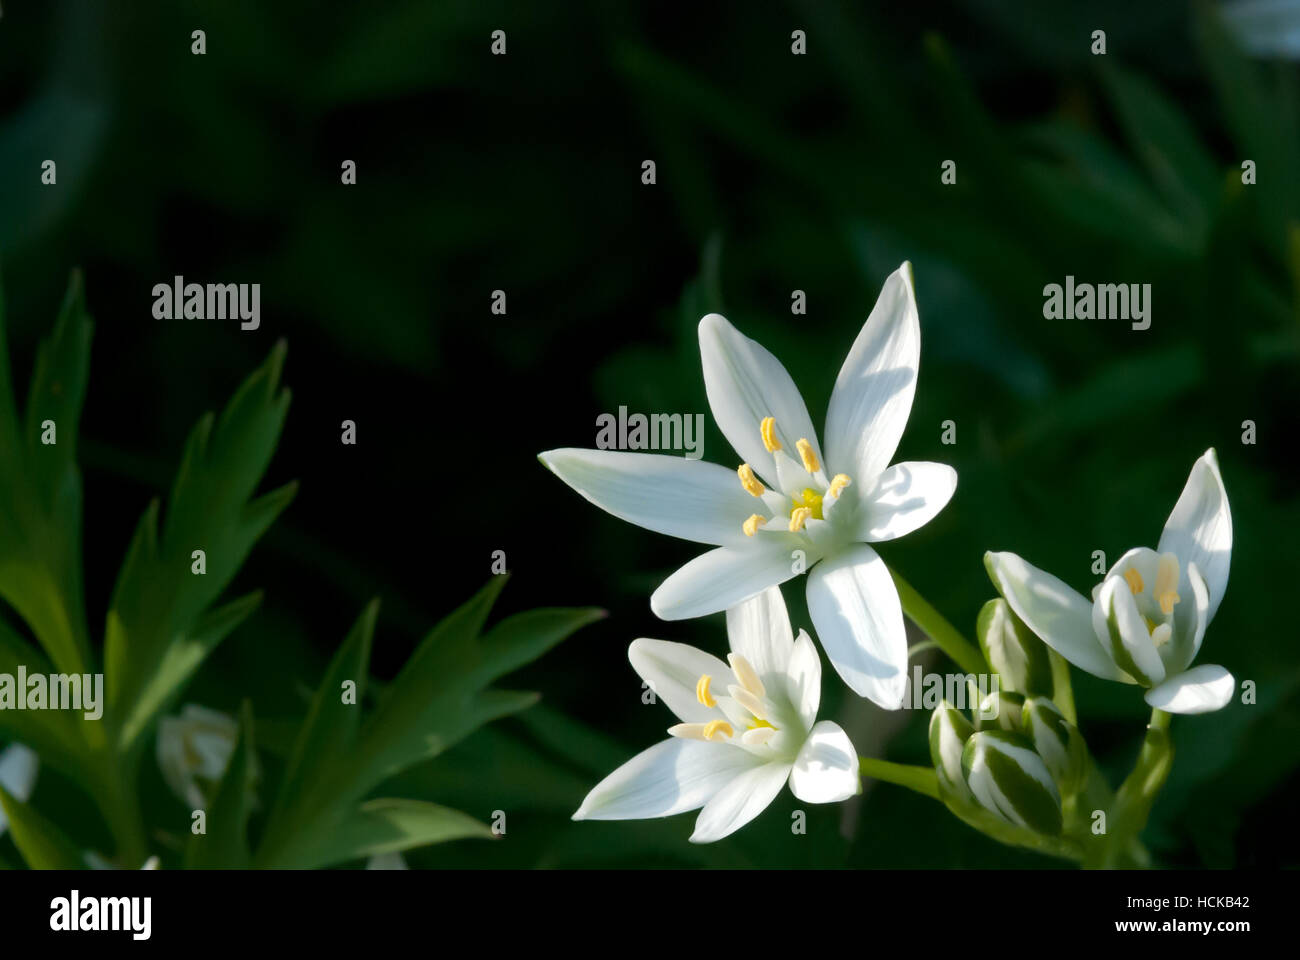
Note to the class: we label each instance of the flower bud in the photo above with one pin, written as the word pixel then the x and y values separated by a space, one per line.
pixel 1000 711
pixel 193 751
pixel 1057 741
pixel 1019 658
pixel 949 731
pixel 1011 781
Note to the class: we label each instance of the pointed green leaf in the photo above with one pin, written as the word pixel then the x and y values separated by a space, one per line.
pixel 391 826
pixel 42 844
pixel 225 844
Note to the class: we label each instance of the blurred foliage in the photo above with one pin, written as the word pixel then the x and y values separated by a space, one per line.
pixel 775 173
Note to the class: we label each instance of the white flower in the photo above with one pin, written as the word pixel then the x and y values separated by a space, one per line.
pixel 791 507
pixel 746 729
pixel 18 768
pixel 1148 617
pixel 194 749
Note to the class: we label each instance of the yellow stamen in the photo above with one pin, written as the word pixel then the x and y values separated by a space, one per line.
pixel 798 517
pixel 746 674
pixel 687 731
pixel 749 481
pixel 1166 587
pixel 838 483
pixel 1134 579
pixel 716 728
pixel 702 691
pixel 811 499
pixel 751 525
pixel 768 429
pixel 807 456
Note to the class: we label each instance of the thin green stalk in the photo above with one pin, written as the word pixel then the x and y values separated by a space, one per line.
pixel 921 779
pixel 1136 796
pixel 932 623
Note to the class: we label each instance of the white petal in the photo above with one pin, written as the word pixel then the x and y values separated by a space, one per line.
pixel 739 802
pixel 854 606
pixel 724 577
pixel 1117 623
pixel 18 768
pixel 826 769
pixel 804 679
pixel 1199 690
pixel 683 498
pixel 673 669
pixel 759 630
pixel 874 390
pixel 1199 530
pixel 1059 615
pixel 671 777
pixel 906 496
pixel 746 384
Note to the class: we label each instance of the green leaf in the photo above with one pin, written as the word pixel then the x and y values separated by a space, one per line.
pixel 42 844
pixel 54 734
pixel 330 729
pixel 225 844
pixel 391 826
pixel 157 632
pixel 40 489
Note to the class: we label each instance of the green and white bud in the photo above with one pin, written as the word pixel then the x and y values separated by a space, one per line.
pixel 1019 658
pixel 1011 781
pixel 1000 711
pixel 1057 741
pixel 949 731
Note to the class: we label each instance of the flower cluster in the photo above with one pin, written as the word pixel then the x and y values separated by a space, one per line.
pixel 793 506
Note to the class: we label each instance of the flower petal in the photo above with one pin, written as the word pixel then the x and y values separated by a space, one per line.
pixel 671 777
pixel 1117 623
pixel 739 801
pixel 745 384
pixel 1198 690
pixel 826 769
pixel 873 393
pixel 804 679
pixel 18 768
pixel 1199 530
pixel 673 669
pixel 724 577
pixel 1059 615
pixel 854 606
pixel 682 498
pixel 906 496
pixel 759 630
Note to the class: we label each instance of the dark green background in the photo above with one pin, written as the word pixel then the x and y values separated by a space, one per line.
pixel 775 173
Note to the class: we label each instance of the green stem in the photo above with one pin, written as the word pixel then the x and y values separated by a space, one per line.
pixel 1062 692
pixel 932 623
pixel 921 779
pixel 1136 796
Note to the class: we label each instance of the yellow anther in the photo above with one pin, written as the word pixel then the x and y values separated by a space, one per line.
pixel 1134 579
pixel 702 691
pixel 798 517
pixel 1166 586
pixel 746 675
pixel 1167 601
pixel 768 429
pixel 838 483
pixel 716 728
pixel 751 525
pixel 749 481
pixel 807 456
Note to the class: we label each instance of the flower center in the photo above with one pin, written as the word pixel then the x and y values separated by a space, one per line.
pixel 748 709
pixel 1164 594
pixel 805 504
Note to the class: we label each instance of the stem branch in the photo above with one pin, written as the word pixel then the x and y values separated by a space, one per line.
pixel 921 779
pixel 932 623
